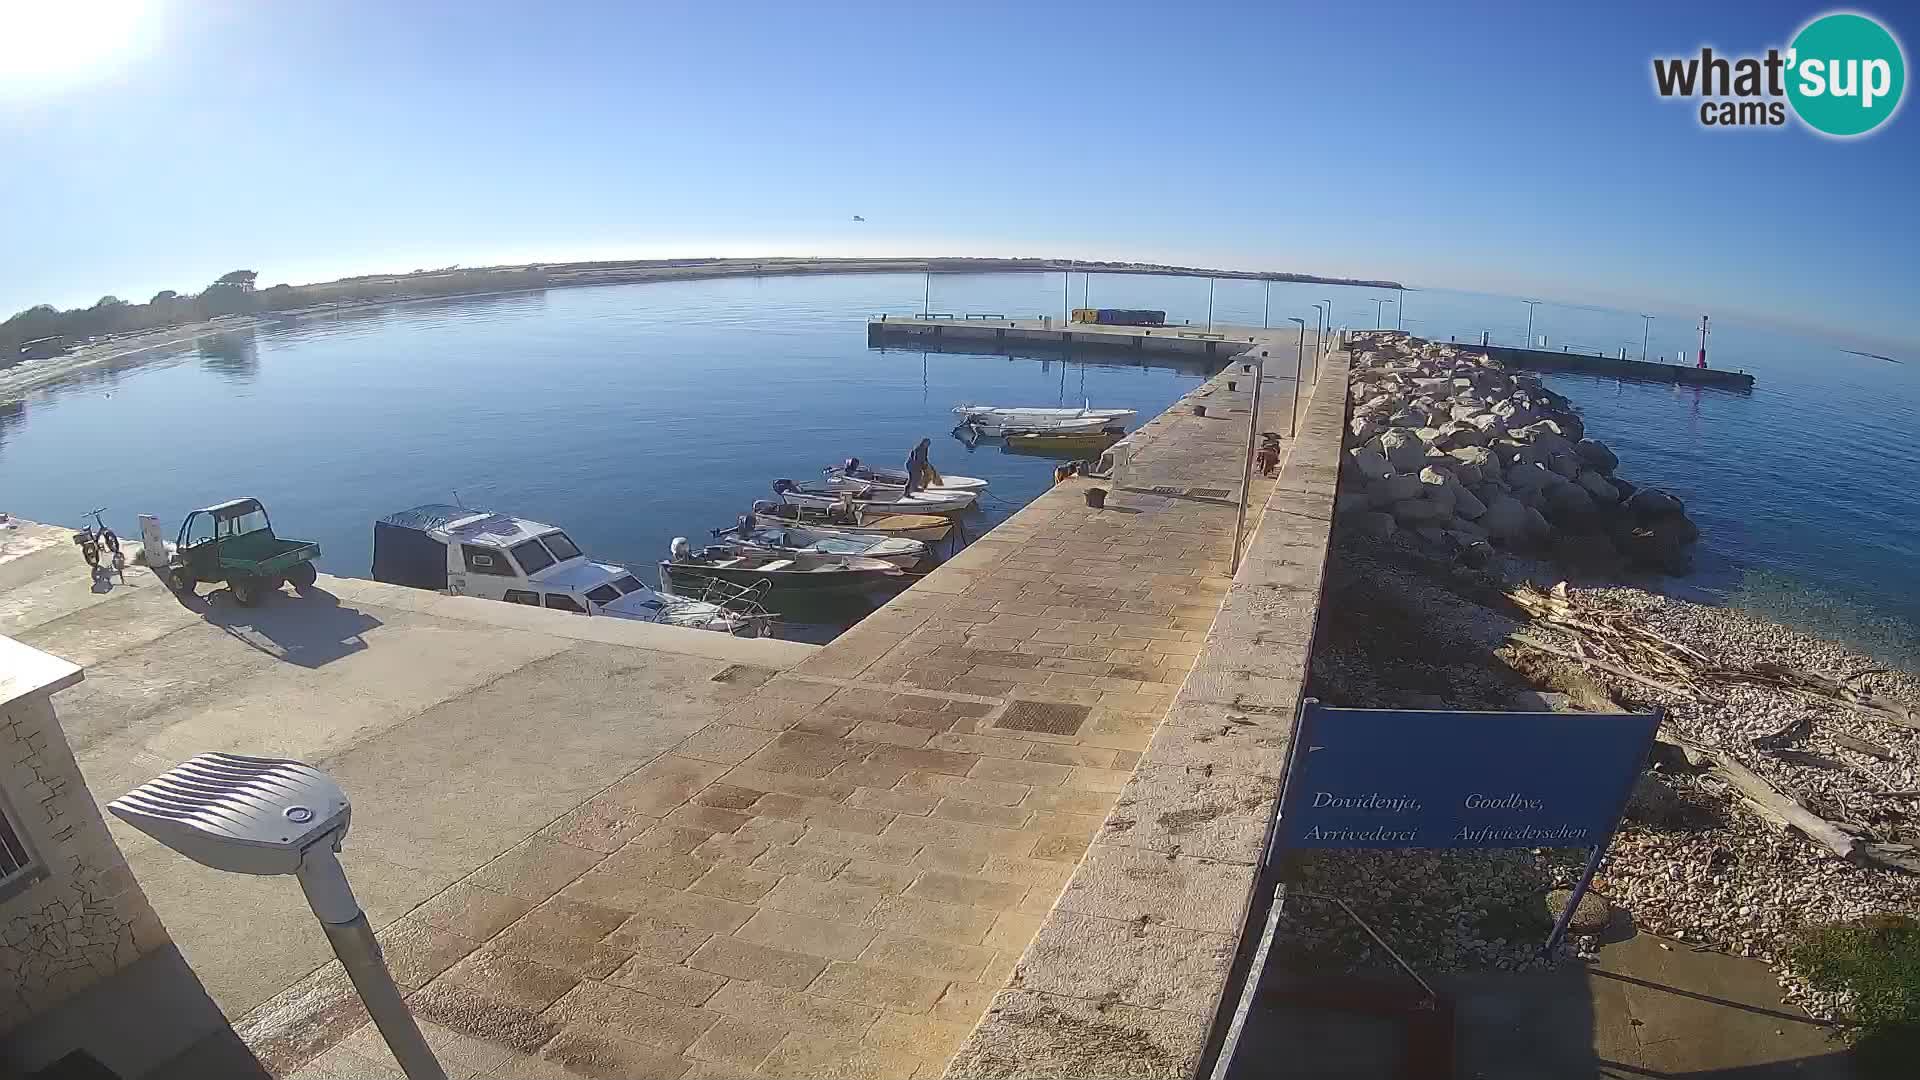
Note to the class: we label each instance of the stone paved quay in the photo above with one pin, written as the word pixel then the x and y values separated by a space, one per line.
pixel 838 875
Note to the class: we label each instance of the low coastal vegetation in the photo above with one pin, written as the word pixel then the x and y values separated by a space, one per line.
pixel 237 292
pixel 1873 965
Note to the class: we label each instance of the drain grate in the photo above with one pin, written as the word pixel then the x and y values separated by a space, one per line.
pixel 1209 493
pixel 1046 717
pixel 1164 490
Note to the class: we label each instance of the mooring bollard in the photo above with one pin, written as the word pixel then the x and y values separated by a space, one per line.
pixel 1231 385
pixel 1199 410
pixel 1096 497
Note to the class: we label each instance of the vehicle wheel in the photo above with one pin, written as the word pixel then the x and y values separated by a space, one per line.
pixel 246 590
pixel 183 582
pixel 303 576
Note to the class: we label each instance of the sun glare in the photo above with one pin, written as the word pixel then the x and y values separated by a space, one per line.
pixel 51 45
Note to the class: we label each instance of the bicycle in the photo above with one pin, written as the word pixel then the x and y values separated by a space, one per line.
pixel 92 539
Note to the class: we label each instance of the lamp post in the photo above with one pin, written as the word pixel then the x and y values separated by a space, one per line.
pixel 1246 476
pixel 1209 305
pixel 1646 327
pixel 1066 279
pixel 1400 312
pixel 926 295
pixel 1323 318
pixel 1293 413
pixel 1086 288
pixel 1379 303
pixel 1267 309
pixel 1531 304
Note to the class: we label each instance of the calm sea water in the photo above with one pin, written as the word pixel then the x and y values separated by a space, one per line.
pixel 633 414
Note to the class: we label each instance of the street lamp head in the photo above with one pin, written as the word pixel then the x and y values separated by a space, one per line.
pixel 1302 322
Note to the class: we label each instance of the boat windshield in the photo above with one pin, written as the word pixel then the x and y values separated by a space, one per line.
pixel 603 594
pixel 561 545
pixel 627 584
pixel 531 556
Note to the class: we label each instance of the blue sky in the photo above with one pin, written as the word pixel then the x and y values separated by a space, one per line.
pixel 1508 147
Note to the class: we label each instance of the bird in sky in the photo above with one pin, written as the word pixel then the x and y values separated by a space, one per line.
pixel 857 217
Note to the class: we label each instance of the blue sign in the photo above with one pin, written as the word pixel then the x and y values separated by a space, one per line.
pixel 1390 778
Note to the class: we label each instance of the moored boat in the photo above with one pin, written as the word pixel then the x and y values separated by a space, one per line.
pixel 810 572
pixel 467 552
pixel 856 470
pixel 1062 443
pixel 898 550
pixel 872 497
pixel 853 521
pixel 991 420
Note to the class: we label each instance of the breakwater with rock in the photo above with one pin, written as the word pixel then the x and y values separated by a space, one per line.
pixel 1764 725
pixel 1448 443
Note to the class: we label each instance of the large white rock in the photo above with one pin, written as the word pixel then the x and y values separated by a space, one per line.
pixel 1598 487
pixel 1523 476
pixel 1538 527
pixel 1372 464
pixel 1392 488
pixel 1404 450
pixel 1453 434
pixel 1416 512
pixel 1595 455
pixel 1466 505
pixel 1505 519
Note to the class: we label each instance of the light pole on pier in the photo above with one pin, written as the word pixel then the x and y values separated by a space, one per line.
pixel 1531 304
pixel 1209 305
pixel 926 296
pixel 1378 305
pixel 1400 312
pixel 1266 310
pixel 1066 279
pixel 1293 413
pixel 1646 327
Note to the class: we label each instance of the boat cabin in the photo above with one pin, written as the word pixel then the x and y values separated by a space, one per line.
pixel 474 553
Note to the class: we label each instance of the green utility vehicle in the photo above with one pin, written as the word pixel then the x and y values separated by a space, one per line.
pixel 234 542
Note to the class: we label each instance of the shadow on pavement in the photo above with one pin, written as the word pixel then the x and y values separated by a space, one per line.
pixel 309 628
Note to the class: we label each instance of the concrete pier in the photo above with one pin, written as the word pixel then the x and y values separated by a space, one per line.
pixel 988 820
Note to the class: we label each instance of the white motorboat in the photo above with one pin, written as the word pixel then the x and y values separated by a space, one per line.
pixel 840 520
pixel 873 499
pixel 746 567
pixel 466 552
pixel 856 470
pixel 897 550
pixel 991 420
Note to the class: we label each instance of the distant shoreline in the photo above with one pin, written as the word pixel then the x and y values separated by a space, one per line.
pixel 23 378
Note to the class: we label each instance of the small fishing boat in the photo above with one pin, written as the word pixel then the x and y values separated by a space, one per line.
pixel 853 469
pixel 852 521
pixel 874 498
pixel 990 420
pixel 810 572
pixel 897 550
pixel 1063 443
pixel 467 552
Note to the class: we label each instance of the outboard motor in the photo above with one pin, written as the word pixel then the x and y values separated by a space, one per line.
pixel 782 486
pixel 852 466
pixel 744 523
pixel 762 506
pixel 680 549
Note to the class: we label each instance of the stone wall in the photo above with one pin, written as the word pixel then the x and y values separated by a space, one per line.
pixel 82 917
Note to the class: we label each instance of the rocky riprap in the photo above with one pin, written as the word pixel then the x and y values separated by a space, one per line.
pixel 1449 444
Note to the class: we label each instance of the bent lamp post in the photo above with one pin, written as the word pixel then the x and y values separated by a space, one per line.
pixel 267 816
